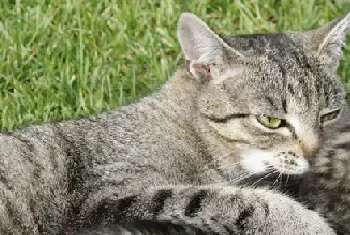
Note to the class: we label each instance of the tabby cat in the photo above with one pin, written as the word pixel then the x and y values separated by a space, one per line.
pixel 244 105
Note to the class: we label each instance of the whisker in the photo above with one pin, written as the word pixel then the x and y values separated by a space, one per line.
pixel 287 179
pixel 241 177
pixel 277 179
pixel 231 165
pixel 215 164
pixel 262 178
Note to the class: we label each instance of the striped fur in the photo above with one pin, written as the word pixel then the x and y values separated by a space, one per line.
pixel 171 163
pixel 143 227
pixel 326 188
pixel 214 209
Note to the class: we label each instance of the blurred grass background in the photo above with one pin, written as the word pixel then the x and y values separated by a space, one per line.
pixel 68 58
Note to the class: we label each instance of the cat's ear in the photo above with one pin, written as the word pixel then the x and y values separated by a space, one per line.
pixel 202 48
pixel 329 39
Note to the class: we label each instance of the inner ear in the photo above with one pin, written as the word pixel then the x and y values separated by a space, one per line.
pixel 202 47
pixel 200 70
pixel 214 73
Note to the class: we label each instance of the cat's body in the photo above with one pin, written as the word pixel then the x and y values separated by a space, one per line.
pixel 61 163
pixel 176 155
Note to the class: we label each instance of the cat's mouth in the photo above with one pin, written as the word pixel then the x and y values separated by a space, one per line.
pixel 261 161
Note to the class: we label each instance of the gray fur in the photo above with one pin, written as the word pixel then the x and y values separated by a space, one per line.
pixel 326 187
pixel 177 154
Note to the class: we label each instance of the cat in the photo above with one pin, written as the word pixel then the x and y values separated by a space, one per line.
pixel 243 105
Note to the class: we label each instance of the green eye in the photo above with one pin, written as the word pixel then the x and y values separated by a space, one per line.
pixel 270 122
pixel 329 116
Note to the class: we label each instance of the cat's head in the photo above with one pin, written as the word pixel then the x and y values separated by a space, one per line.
pixel 267 98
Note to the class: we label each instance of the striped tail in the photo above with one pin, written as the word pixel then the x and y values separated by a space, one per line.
pixel 203 210
pixel 143 228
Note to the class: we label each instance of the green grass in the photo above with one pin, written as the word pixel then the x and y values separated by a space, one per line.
pixel 69 58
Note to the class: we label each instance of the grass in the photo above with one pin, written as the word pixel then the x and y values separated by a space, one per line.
pixel 68 58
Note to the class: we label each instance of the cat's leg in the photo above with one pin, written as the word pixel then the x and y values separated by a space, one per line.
pixel 213 209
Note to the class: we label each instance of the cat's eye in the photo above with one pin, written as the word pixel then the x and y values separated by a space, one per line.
pixel 270 122
pixel 329 116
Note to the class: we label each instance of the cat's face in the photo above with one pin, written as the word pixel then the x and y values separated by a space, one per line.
pixel 272 116
pixel 264 99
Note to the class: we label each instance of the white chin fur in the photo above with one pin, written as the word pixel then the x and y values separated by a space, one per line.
pixel 255 161
pixel 259 161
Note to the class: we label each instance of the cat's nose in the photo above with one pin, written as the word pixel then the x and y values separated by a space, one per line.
pixel 306 136
pixel 307 145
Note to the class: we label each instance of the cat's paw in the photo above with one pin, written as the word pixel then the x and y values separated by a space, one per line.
pixel 280 214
